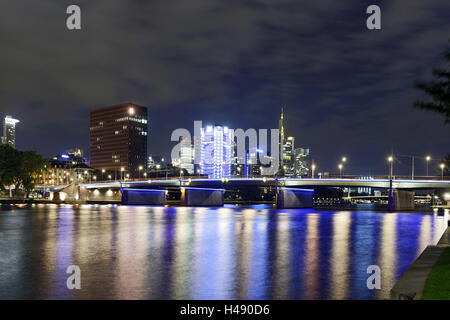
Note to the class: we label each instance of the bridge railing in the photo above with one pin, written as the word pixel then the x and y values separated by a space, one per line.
pixel 330 176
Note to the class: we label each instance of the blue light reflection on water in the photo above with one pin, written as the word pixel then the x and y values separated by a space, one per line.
pixel 132 252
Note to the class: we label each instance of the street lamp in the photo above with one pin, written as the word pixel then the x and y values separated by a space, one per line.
pixel 313 167
pixel 140 169
pixel 340 169
pixel 344 159
pixel 103 172
pixel 121 173
pixel 442 170
pixel 109 177
pixel 428 158
pixel 391 161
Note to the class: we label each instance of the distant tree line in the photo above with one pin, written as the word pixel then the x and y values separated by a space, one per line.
pixel 19 169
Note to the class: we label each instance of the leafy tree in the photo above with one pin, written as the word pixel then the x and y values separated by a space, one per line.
pixel 31 164
pixel 446 161
pixel 10 162
pixel 19 168
pixel 438 89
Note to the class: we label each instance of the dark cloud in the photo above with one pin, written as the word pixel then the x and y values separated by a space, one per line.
pixel 347 90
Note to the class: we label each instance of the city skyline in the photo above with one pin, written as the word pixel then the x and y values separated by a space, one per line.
pixel 402 162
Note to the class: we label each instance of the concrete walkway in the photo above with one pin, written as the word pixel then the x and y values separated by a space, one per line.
pixel 412 283
pixel 445 240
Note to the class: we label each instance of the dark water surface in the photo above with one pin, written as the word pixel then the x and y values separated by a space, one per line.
pixel 138 252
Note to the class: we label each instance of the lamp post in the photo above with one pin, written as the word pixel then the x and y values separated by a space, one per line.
pixel 121 173
pixel 140 169
pixel 340 169
pixel 391 161
pixel 313 167
pixel 428 158
pixel 442 170
pixel 103 173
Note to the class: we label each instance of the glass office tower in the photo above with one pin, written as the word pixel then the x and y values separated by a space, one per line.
pixel 216 151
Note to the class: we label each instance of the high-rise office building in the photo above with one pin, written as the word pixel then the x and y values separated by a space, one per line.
pixel 216 151
pixel 118 139
pixel 289 156
pixel 293 161
pixel 302 162
pixel 281 135
pixel 9 131
pixel 186 156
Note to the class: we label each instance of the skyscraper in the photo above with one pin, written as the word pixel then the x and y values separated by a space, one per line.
pixel 186 156
pixel 9 131
pixel 288 156
pixel 281 135
pixel 216 151
pixel 118 138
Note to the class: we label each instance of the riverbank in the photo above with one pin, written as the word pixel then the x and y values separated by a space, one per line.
pixel 437 286
pixel 429 276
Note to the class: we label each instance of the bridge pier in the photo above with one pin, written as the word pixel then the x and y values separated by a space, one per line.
pixel 401 200
pixel 289 198
pixel 71 193
pixel 143 196
pixel 202 197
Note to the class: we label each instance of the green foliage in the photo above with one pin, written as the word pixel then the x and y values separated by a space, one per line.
pixel 438 283
pixel 439 91
pixel 446 161
pixel 19 168
pixel 9 166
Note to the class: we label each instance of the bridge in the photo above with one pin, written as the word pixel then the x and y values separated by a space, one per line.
pixel 290 192
pixel 264 182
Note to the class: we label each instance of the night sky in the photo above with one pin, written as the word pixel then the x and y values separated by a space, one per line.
pixel 346 90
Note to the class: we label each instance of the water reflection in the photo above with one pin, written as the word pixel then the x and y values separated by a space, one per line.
pixel 340 255
pixel 202 253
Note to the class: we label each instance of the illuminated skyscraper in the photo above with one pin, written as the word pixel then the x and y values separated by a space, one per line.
pixel 281 135
pixel 118 139
pixel 288 156
pixel 216 151
pixel 9 131
pixel 186 158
